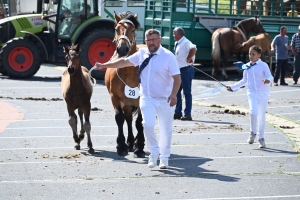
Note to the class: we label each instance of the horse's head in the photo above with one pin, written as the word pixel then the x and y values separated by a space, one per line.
pixel 257 27
pixel 72 58
pixel 125 26
pixel 250 25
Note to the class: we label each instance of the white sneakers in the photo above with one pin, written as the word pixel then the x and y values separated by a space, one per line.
pixel 163 164
pixel 251 138
pixel 152 162
pixel 262 143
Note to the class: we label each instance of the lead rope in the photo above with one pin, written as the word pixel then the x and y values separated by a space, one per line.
pixel 91 77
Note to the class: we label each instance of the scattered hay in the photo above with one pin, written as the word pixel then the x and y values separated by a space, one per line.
pixel 70 156
pixel 233 127
pixel 287 127
pixel 216 106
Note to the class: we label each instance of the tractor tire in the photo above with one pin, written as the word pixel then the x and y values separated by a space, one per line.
pixel 2 71
pixel 97 46
pixel 20 58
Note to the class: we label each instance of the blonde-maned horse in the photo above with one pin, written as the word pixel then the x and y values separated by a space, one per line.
pixel 115 79
pixel 77 92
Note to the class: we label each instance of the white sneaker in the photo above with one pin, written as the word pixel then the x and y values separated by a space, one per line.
pixel 262 143
pixel 163 164
pixel 251 138
pixel 152 162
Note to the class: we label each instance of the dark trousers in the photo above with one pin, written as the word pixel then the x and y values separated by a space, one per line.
pixel 187 75
pixel 280 70
pixel 296 71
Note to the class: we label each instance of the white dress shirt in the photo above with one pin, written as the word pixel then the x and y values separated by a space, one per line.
pixel 182 51
pixel 254 77
pixel 156 78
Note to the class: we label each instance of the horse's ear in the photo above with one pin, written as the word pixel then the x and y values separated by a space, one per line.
pixel 136 16
pixel 66 49
pixel 117 17
pixel 76 47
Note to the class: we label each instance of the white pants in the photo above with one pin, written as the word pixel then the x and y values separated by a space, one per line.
pixel 150 108
pixel 258 102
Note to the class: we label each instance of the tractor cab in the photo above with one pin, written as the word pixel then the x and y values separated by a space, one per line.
pixel 3 10
pixel 67 15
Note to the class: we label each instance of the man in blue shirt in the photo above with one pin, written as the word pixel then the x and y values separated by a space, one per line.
pixel 281 42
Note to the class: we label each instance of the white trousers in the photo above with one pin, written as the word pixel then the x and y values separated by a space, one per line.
pixel 150 108
pixel 258 102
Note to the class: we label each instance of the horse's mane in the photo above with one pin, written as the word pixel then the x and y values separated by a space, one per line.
pixel 244 20
pixel 130 16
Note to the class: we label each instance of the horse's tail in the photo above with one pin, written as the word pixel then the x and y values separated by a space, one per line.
pixel 216 52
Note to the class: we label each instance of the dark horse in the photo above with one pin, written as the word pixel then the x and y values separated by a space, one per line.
pixel 225 39
pixel 116 79
pixel 77 91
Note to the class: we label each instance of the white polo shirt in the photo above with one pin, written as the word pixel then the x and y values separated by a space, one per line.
pixel 254 76
pixel 182 51
pixel 156 78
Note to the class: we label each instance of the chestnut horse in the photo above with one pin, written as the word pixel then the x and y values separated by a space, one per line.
pixel 115 79
pixel 77 92
pixel 225 39
pixel 264 41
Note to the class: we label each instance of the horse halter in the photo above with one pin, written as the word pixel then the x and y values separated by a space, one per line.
pixel 70 58
pixel 124 36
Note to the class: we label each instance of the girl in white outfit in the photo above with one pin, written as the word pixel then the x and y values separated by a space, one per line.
pixel 256 76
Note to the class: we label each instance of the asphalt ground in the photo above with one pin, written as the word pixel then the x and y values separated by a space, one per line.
pixel 210 157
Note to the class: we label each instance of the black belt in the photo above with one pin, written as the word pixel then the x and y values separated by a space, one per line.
pixel 185 67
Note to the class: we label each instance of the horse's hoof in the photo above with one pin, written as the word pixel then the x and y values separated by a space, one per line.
pixel 139 154
pixel 122 152
pixel 91 151
pixel 130 149
pixel 77 147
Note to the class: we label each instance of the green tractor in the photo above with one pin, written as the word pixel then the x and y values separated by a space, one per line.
pixel 27 41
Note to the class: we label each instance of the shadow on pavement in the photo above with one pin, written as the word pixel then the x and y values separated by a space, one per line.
pixel 180 166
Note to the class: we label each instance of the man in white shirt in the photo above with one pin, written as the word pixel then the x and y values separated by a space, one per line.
pixel 185 54
pixel 159 84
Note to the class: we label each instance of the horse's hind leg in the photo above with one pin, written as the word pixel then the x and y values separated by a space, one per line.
pixel 87 128
pixel 139 142
pixel 82 130
pixel 224 63
pixel 128 118
pixel 122 148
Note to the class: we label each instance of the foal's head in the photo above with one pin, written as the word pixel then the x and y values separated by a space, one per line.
pixel 125 26
pixel 72 58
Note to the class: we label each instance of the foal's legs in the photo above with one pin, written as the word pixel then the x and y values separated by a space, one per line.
pixel 82 130
pixel 139 142
pixel 87 127
pixel 73 124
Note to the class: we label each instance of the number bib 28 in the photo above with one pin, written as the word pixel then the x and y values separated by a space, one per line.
pixel 132 93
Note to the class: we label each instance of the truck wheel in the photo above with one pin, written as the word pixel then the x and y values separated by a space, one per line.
pixel 97 46
pixel 20 58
